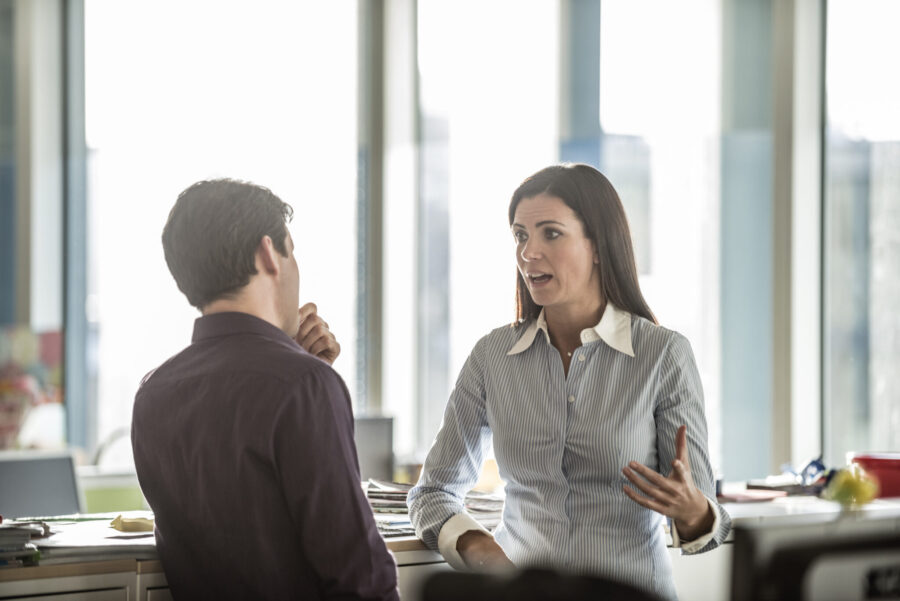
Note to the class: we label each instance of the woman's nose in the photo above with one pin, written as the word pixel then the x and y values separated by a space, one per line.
pixel 530 251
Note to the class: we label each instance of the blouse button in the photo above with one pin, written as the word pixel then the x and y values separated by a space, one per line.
pixel 581 357
pixel 571 398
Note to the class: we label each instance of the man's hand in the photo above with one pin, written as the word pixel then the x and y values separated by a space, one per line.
pixel 482 553
pixel 676 496
pixel 314 335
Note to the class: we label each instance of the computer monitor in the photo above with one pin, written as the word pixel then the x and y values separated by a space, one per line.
pixel 36 483
pixel 818 558
pixel 375 447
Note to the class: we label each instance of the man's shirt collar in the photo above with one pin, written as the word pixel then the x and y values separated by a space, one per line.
pixel 232 322
pixel 614 329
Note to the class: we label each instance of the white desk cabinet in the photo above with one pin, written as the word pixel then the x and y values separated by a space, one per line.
pixel 97 581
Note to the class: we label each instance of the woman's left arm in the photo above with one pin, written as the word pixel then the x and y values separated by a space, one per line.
pixel 687 493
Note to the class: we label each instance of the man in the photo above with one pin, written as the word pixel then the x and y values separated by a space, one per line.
pixel 243 442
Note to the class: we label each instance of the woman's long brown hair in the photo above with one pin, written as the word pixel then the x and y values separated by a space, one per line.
pixel 596 203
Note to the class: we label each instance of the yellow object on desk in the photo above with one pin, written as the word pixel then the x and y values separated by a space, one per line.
pixel 851 487
pixel 132 524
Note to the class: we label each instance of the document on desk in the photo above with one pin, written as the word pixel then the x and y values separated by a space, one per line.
pixel 389 499
pixel 93 540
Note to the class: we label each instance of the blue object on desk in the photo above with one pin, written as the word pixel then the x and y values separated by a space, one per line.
pixel 809 473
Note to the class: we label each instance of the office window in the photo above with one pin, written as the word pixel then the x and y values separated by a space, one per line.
pixel 660 107
pixel 7 166
pixel 177 92
pixel 488 118
pixel 862 220
pixel 536 83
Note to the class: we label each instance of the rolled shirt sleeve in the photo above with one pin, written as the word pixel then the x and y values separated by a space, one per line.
pixel 680 401
pixel 453 464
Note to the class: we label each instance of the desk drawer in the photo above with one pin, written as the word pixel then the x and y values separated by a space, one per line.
pixel 159 594
pixel 117 594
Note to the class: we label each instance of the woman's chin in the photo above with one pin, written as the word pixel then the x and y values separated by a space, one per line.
pixel 542 299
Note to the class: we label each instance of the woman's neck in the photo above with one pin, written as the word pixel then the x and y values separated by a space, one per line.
pixel 564 324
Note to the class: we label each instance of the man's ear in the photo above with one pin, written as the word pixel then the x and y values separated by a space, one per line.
pixel 265 255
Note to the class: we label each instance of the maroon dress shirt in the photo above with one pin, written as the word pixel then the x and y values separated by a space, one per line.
pixel 243 445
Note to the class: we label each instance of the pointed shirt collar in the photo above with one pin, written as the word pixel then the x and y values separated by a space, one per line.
pixel 614 329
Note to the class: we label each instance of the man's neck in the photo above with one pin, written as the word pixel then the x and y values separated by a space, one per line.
pixel 245 303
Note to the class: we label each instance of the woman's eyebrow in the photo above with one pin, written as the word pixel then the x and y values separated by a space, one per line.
pixel 540 224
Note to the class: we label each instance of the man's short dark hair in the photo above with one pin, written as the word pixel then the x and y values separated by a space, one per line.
pixel 212 233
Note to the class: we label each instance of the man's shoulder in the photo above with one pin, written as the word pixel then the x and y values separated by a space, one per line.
pixel 241 356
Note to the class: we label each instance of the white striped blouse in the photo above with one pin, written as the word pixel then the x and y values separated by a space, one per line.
pixel 561 442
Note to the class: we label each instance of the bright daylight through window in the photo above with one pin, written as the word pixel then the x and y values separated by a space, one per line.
pixel 227 93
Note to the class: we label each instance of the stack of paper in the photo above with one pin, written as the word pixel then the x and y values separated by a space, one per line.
pixel 387 497
pixel 16 548
pixel 388 501
pixel 487 509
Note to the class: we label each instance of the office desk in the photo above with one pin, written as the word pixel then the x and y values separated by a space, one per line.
pixel 699 577
pixel 129 579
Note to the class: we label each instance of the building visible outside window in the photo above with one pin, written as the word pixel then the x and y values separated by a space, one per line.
pixel 510 100
pixel 660 107
pixel 489 113
pixel 862 229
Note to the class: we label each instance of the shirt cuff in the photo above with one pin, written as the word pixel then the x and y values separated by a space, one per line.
pixel 450 532
pixel 701 541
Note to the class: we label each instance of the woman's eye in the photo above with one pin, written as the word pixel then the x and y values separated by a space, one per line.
pixel 520 236
pixel 551 234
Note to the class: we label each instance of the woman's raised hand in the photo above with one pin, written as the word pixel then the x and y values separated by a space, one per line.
pixel 674 496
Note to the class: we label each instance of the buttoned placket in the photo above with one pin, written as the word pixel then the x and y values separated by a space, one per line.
pixel 558 382
pixel 572 384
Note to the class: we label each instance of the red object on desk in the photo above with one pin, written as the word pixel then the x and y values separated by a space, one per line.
pixel 884 467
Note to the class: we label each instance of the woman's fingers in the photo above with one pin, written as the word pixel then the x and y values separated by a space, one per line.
pixel 683 472
pixel 644 501
pixel 681 452
pixel 651 475
pixel 647 488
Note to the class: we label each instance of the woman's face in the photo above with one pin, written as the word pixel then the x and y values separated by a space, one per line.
pixel 554 256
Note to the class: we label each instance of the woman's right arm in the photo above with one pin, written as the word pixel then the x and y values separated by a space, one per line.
pixel 437 502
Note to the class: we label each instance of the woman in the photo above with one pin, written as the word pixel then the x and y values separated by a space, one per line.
pixel 595 411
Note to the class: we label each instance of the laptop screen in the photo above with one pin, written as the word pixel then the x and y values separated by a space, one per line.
pixel 37 484
pixel 375 447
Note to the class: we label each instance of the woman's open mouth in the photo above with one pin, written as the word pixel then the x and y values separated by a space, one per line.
pixel 539 279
